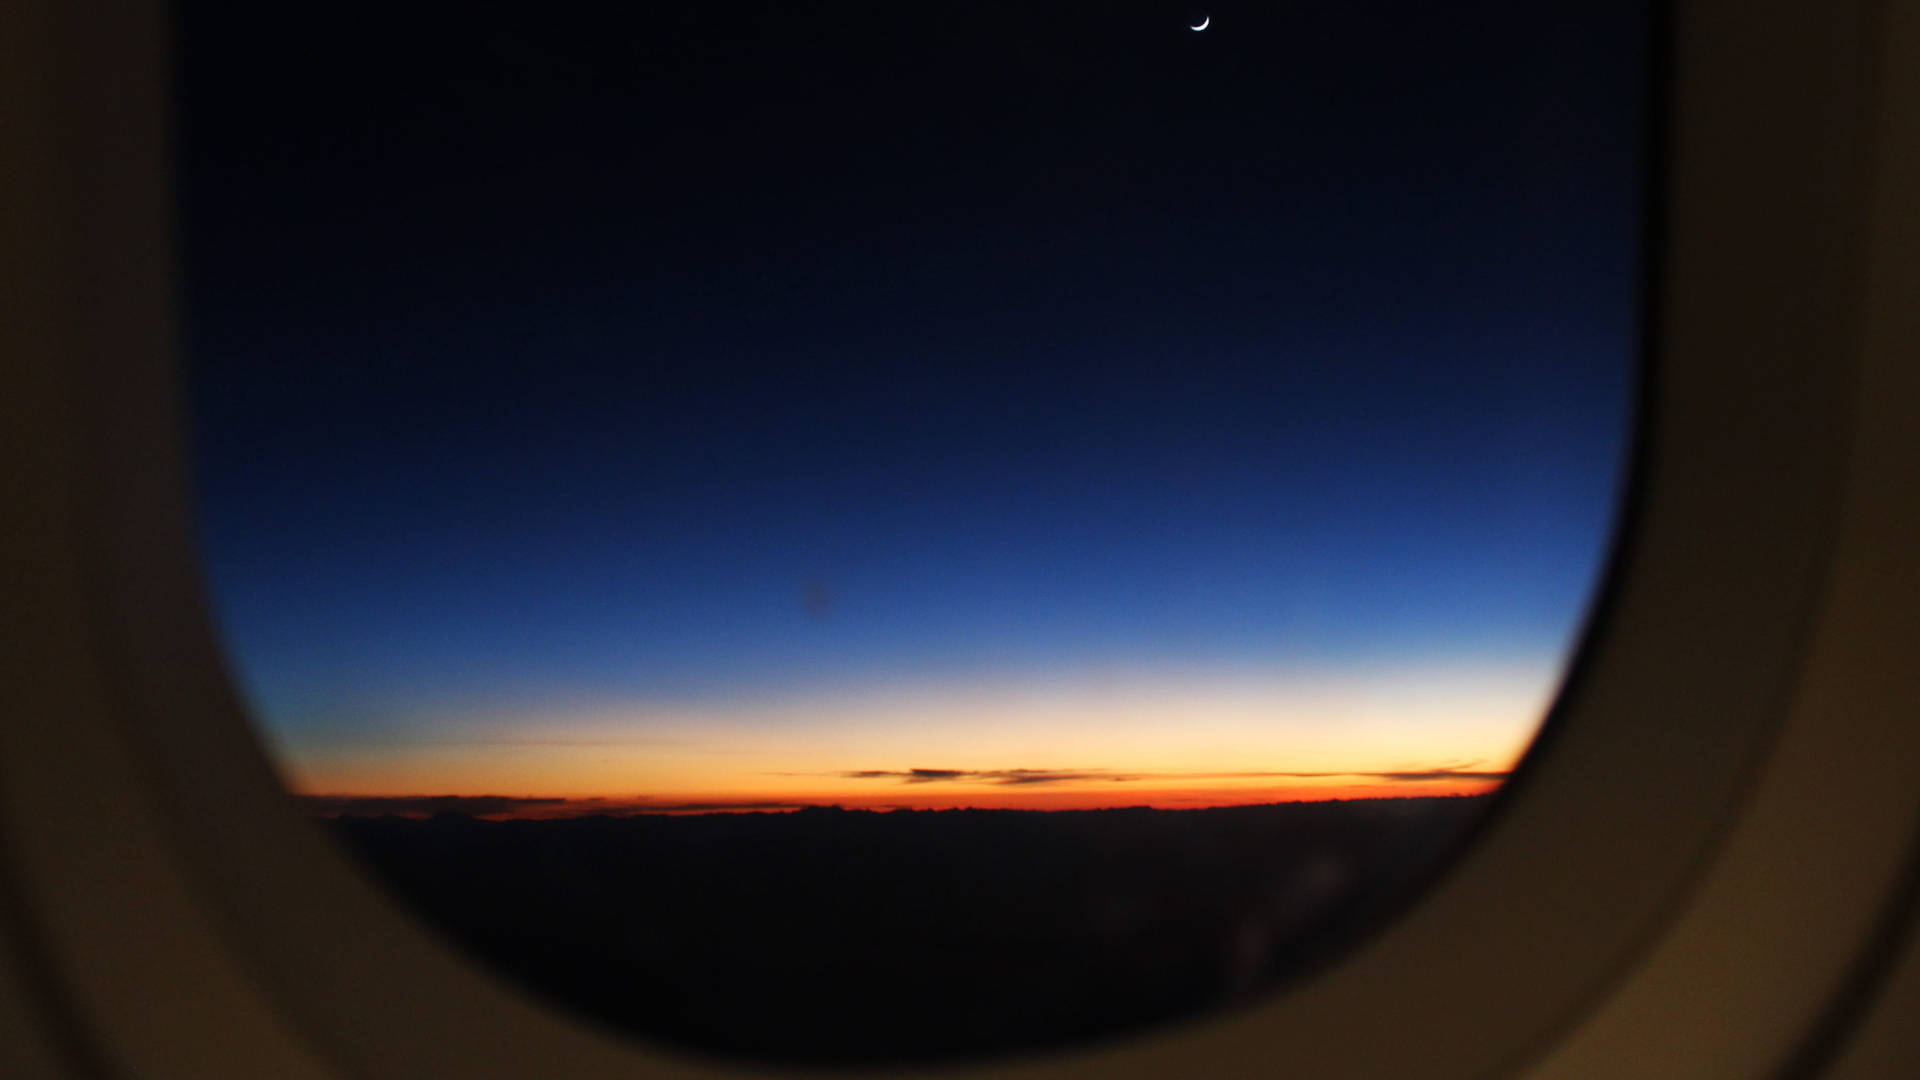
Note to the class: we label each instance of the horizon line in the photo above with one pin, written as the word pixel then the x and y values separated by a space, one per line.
pixel 505 807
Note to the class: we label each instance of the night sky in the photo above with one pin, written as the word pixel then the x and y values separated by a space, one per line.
pixel 751 404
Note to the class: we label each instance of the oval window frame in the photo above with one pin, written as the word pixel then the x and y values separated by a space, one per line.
pixel 1740 683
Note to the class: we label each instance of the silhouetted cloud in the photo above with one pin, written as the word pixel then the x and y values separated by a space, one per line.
pixel 1442 774
pixel 1054 776
pixel 422 805
pixel 921 776
pixel 985 776
pixel 816 599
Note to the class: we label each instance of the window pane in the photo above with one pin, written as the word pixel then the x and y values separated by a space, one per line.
pixel 847 533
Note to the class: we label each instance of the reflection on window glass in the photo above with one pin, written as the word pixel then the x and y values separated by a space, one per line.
pixel 848 532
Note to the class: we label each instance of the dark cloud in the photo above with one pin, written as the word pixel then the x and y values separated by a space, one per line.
pixel 986 776
pixel 911 776
pixel 816 599
pixel 1050 776
pixel 422 805
pixel 1445 772
pixel 1055 776
pixel 1442 774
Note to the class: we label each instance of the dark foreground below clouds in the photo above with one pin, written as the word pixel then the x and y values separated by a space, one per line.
pixel 828 936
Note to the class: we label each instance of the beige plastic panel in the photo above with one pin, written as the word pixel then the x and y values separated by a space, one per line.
pixel 1681 885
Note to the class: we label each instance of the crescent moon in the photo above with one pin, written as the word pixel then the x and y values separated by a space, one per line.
pixel 1204 20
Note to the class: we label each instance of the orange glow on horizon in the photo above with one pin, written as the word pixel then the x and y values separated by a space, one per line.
pixel 1075 743
pixel 903 797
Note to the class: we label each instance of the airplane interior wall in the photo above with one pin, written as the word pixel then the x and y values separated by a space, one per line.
pixel 1713 871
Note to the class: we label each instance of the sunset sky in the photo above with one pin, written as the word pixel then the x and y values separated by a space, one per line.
pixel 993 405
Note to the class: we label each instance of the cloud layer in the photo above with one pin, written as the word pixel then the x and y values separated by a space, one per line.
pixel 991 776
pixel 1054 776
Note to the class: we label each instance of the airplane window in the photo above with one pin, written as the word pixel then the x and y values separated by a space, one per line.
pixel 841 533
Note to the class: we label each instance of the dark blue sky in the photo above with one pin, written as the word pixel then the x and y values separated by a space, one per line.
pixel 547 351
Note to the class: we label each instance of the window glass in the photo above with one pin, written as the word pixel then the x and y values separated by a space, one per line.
pixel 846 533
